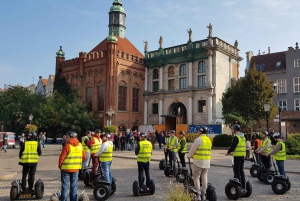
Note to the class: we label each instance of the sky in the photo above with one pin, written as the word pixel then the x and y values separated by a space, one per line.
pixel 32 31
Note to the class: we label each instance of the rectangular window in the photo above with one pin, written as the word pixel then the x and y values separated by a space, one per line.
pixel 182 83
pixel 155 108
pixel 101 98
pixel 297 104
pixel 281 86
pixel 122 98
pixel 89 97
pixel 171 84
pixel 278 64
pixel 283 105
pixel 297 63
pixel 262 66
pixel 257 67
pixel 135 100
pixel 201 106
pixel 155 86
pixel 202 81
pixel 296 84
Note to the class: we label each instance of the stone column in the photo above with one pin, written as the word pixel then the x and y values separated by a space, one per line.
pixel 161 79
pixel 190 78
pixel 146 79
pixel 230 71
pixel 209 108
pixel 146 111
pixel 209 69
pixel 190 108
pixel 160 108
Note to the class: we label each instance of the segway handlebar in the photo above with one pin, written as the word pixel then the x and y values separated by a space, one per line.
pixel 190 167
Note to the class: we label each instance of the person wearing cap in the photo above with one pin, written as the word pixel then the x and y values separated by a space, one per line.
pixel 70 162
pixel 182 148
pixel 22 140
pixel 172 146
pixel 95 146
pixel 279 153
pixel 201 154
pixel 29 156
pixel 143 152
pixel 264 150
pixel 105 156
pixel 86 145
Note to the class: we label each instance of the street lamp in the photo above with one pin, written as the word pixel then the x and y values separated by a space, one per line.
pixel 267 110
pixel 276 88
pixel 30 118
pixel 110 113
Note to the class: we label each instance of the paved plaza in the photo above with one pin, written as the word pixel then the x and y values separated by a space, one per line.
pixel 124 169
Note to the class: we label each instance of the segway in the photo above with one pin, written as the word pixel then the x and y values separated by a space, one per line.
pixel 82 171
pixel 281 184
pixel 16 191
pixel 182 173
pixel 141 190
pixel 266 175
pixel 102 190
pixel 168 171
pixel 255 167
pixel 87 176
pixel 163 162
pixel 233 189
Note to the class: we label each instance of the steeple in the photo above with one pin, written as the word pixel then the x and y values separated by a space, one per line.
pixel 117 18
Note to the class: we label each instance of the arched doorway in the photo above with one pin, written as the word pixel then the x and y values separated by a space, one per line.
pixel 176 115
pixel 135 128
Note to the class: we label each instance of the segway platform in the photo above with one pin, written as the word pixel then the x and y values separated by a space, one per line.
pixel 16 191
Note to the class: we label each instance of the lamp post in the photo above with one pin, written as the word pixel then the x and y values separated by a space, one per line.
pixel 30 118
pixel 267 110
pixel 276 88
pixel 110 113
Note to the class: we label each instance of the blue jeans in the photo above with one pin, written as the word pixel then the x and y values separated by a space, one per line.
pixel 143 167
pixel 86 162
pixel 131 146
pixel 106 171
pixel 280 165
pixel 67 177
pixel 4 147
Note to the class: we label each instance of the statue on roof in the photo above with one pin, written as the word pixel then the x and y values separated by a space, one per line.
pixel 161 41
pixel 236 44
pixel 146 46
pixel 190 34
pixel 209 30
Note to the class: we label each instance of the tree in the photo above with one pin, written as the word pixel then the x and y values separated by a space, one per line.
pixel 244 101
pixel 110 129
pixel 60 84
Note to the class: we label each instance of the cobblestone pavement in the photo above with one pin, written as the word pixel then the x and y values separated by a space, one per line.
pixel 125 171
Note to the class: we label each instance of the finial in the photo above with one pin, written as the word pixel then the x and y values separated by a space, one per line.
pixel 269 50
pixel 236 44
pixel 258 52
pixel 60 48
pixel 297 47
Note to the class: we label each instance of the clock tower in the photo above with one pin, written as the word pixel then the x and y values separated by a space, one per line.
pixel 117 18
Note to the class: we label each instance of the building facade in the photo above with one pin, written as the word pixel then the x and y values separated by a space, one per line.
pixel 184 83
pixel 41 86
pixel 110 77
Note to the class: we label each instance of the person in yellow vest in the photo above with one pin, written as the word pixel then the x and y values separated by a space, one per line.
pixel 182 148
pixel 238 148
pixel 106 153
pixel 29 156
pixel 86 145
pixel 143 152
pixel 201 154
pixel 172 146
pixel 264 149
pixel 279 153
pixel 95 147
pixel 166 141
pixel 70 162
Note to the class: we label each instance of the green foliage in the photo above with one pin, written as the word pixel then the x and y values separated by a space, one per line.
pixel 222 140
pixel 293 145
pixel 178 193
pixel 110 129
pixel 293 157
pixel 31 128
pixel 61 85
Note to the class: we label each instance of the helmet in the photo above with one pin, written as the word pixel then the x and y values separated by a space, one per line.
pixel 255 135
pixel 97 131
pixel 172 131
pixel 34 134
pixel 107 135
pixel 29 134
pixel 237 127
pixel 167 133
pixel 266 133
pixel 88 132
pixel 276 135
pixel 203 129
pixel 182 133
pixel 72 134
pixel 143 134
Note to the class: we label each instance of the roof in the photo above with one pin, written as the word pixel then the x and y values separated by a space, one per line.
pixel 124 45
pixel 45 81
pixel 270 60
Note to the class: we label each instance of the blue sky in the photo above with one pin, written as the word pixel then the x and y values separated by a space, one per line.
pixel 32 31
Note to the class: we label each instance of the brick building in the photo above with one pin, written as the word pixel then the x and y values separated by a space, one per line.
pixel 110 77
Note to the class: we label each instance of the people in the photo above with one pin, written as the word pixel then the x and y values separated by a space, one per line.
pixel 131 142
pixel 159 137
pixel 5 141
pixel 123 141
pixel 116 141
pixel 63 142
pixel 248 148
pixel 238 148
pixel 182 148
pixel 43 139
pixel 201 153
pixel 166 141
pixel 143 152
pixel 22 140
pixel 29 157
pixel 279 153
pixel 70 162
pixel 106 153
pixel 86 145
pixel 95 146
pixel 256 145
pixel 172 146
pixel 264 150
pixel 153 140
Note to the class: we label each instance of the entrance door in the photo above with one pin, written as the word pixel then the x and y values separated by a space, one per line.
pixel 170 123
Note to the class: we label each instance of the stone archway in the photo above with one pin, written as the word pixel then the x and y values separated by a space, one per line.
pixel 176 115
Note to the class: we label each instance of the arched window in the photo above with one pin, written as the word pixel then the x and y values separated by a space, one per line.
pixel 171 72
pixel 182 70
pixel 201 67
pixel 155 74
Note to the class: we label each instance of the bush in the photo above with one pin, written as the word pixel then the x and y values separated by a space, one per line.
pixel 293 145
pixel 178 193
pixel 222 140
pixel 110 129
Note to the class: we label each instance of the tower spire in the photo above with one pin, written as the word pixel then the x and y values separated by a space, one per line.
pixel 117 18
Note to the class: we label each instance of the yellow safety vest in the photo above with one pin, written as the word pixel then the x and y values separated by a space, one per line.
pixel 281 154
pixel 30 154
pixel 172 143
pixel 84 146
pixel 263 144
pixel 240 149
pixel 185 145
pixel 106 156
pixel 145 151
pixel 96 146
pixel 203 152
pixel 73 160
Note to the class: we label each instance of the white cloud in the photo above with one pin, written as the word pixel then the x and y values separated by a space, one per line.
pixel 228 3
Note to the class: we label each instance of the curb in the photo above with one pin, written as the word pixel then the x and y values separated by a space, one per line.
pixel 7 176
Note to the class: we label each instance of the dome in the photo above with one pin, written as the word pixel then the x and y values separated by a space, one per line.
pixel 60 53
pixel 112 38
pixel 117 7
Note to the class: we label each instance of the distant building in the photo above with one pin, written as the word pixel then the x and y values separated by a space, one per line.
pixel 32 88
pixel 50 85
pixel 41 86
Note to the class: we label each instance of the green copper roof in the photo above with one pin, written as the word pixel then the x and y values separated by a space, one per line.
pixel 112 38
pixel 60 53
pixel 117 6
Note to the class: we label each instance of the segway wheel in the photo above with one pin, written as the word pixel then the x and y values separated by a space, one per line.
pixel 288 184
pixel 101 192
pixel 180 178
pixel 260 175
pixel 279 186
pixel 167 171
pixel 152 187
pixel 14 193
pixel 233 191
pixel 80 174
pixel 175 170
pixel 113 186
pixel 211 194
pixel 254 171
pixel 248 188
pixel 135 188
pixel 269 177
pixel 162 163
pixel 39 190
pixel 86 178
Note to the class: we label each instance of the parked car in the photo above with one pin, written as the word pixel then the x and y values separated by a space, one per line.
pixel 11 141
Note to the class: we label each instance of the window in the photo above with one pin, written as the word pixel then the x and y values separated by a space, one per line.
pixel 201 81
pixel 89 97
pixel 171 72
pixel 296 84
pixel 135 100
pixel 182 70
pixel 101 98
pixel 297 104
pixel 201 106
pixel 122 98
pixel 182 83
pixel 201 67
pixel 155 108
pixel 171 84
pixel 155 86
pixel 262 66
pixel 155 74
pixel 278 64
pixel 283 105
pixel 297 63
pixel 258 67
pixel 281 86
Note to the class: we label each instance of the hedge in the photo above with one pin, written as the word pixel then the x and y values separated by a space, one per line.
pixel 222 140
